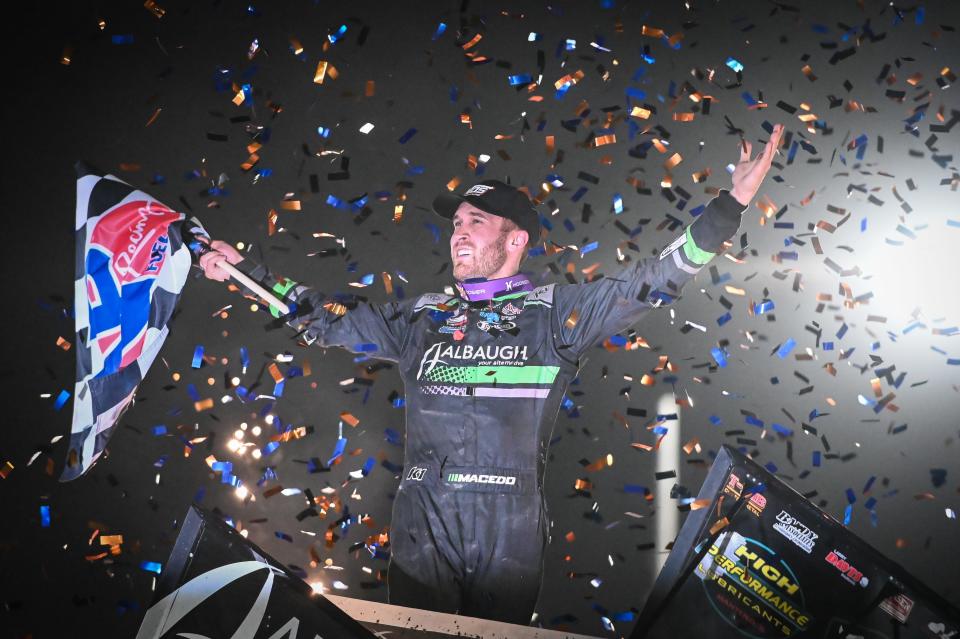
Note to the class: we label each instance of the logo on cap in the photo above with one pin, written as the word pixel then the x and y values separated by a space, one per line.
pixel 478 189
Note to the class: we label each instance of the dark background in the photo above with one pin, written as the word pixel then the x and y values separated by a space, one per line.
pixel 899 304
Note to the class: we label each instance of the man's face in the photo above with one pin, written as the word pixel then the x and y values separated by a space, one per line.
pixel 477 244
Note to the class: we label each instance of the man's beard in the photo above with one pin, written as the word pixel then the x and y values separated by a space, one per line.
pixel 490 260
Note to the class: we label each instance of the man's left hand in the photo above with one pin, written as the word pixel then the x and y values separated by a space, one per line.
pixel 749 173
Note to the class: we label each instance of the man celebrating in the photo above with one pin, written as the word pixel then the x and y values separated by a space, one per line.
pixel 484 372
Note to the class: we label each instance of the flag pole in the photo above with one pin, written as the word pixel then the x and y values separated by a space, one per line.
pixel 254 286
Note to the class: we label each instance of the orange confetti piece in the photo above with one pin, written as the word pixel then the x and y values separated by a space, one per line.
pixel 275 373
pixel 387 282
pixel 153 117
pixel 370 89
pixel 350 419
pixel 684 117
pixel 719 525
pixel 203 404
pixel 453 183
pixel 571 320
pixel 807 71
pixel 324 69
pixel 550 143
pixel 690 446
pixel 271 222
pixel 602 140
pixel 111 540
pixel 5 469
pixel 64 344
pixel 699 503
pixel 639 112
pixel 153 8
pixel 473 41
pixel 673 161
pixel 290 205
pixel 582 484
pixel 642 446
pixel 653 32
pixel 570 537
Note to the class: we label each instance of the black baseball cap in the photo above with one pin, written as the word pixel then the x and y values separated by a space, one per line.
pixel 497 198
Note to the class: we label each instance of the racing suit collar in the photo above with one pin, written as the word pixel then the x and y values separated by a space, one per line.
pixel 476 290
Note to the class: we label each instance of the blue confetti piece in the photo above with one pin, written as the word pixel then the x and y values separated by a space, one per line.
pixel 734 64
pixel 439 32
pixel 269 448
pixel 45 516
pixel 635 488
pixel 748 98
pixel 392 436
pixel 851 496
pixel 282 535
pixel 589 247
pixel 61 400
pixel 368 466
pixel 870 503
pixel 396 469
pixel 660 430
pixel 454 92
pixel 770 466
pixel 617 204
pixel 197 356
pixel 335 202
pixel 816 458
pixel 847 512
pixel 828 346
pixel 570 44
pixel 337 450
pixel 122 39
pixel 151 566
pixel 522 78
pixel 333 37
pixel 764 307
pixel 433 228
pixel 364 348
pixel 567 224
pixel 399 402
pixel 579 194
pixel 406 136
pixel 618 340
pixel 783 430
pixel 367 279
pixel 753 421
pixel 716 421
pixel 159 430
pixel 278 388
pixel 638 94
pixel 723 319
pixel 786 348
pixel 323 131
pixel 719 356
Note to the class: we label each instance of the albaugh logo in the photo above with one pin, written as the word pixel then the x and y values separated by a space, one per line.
pixel 506 354
pixel 166 613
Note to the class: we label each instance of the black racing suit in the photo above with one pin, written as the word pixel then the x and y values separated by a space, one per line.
pixel 484 383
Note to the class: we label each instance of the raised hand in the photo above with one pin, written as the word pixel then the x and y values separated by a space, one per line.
pixel 219 252
pixel 749 173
